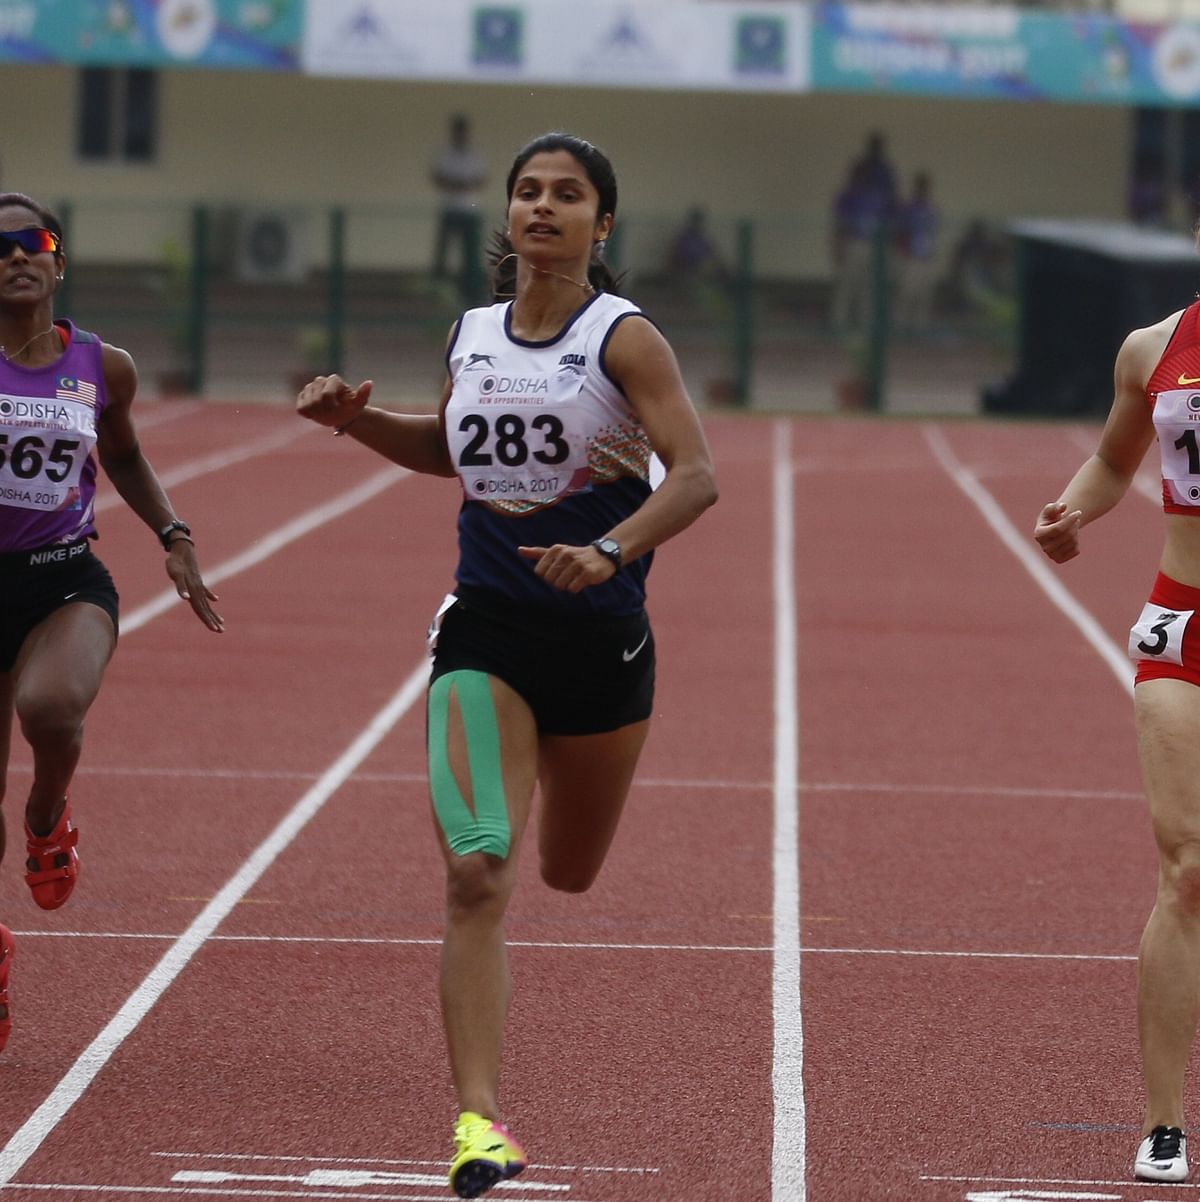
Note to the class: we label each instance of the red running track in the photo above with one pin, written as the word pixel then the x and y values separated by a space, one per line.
pixel 240 999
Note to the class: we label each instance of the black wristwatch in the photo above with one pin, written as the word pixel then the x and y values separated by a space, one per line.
pixel 164 535
pixel 610 549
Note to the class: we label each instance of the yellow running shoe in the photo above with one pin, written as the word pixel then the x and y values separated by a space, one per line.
pixel 484 1154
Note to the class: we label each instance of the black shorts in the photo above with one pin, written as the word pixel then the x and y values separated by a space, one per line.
pixel 33 584
pixel 579 676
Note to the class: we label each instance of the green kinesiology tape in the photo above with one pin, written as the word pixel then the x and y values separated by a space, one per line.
pixel 486 829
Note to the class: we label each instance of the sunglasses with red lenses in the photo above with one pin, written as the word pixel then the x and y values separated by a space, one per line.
pixel 33 241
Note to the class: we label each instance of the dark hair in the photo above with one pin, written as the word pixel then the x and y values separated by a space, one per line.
pixel 599 171
pixel 18 200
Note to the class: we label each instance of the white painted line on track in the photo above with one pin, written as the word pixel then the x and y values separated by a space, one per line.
pixel 512 1189
pixel 397 941
pixel 972 790
pixel 28 1138
pixel 736 948
pixel 160 415
pixel 958 955
pixel 643 782
pixel 788 1167
pixel 345 1179
pixel 266 547
pixel 1037 1182
pixel 217 461
pixel 199 1191
pixel 1034 562
pixel 376 1160
pixel 1145 482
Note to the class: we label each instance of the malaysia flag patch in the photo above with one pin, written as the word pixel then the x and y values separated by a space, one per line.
pixel 70 388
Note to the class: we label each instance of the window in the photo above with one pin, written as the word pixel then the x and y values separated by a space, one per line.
pixel 118 114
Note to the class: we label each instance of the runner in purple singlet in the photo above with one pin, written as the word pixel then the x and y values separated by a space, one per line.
pixel 65 400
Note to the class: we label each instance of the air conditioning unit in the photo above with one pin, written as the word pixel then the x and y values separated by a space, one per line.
pixel 270 246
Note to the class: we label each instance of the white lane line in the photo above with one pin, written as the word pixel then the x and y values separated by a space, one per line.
pixel 200 1191
pixel 159 414
pixel 1039 1181
pixel 1034 562
pixel 345 1179
pixel 953 955
pixel 788 1170
pixel 973 790
pixel 28 1138
pixel 1145 481
pixel 642 782
pixel 513 1189
pixel 266 547
pixel 377 1160
pixel 217 461
pixel 369 940
pixel 397 941
pixel 649 783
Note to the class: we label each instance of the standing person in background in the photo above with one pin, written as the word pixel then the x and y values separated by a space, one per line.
pixel 917 223
pixel 1148 192
pixel 459 175
pixel 1157 369
pixel 67 400
pixel 861 219
pixel 543 673
pixel 863 213
pixel 878 174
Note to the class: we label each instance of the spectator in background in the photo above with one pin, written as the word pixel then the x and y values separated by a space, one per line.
pixel 1190 187
pixel 459 175
pixel 1148 191
pixel 878 174
pixel 917 223
pixel 862 213
pixel 693 254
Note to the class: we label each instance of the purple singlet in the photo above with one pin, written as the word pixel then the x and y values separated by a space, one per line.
pixel 48 419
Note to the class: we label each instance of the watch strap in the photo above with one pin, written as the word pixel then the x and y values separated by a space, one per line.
pixel 174 527
pixel 611 550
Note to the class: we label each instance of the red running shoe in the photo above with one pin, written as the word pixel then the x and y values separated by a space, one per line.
pixel 53 865
pixel 7 949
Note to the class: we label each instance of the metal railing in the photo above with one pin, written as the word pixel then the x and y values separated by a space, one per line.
pixel 756 320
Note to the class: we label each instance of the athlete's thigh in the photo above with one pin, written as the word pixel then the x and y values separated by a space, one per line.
pixel 584 781
pixel 471 766
pixel 64 656
pixel 1168 729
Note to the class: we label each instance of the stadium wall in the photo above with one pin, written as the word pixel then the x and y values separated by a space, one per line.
pixel 249 139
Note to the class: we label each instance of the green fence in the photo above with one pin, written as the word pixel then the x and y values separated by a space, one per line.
pixel 248 301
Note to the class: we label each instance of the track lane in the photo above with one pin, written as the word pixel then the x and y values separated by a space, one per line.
pixel 930 660
pixel 691 868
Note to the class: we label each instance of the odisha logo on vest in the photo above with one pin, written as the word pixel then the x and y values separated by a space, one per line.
pixel 42 410
pixel 530 385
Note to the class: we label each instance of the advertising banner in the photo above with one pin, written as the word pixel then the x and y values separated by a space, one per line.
pixel 258 34
pixel 679 45
pixel 1003 52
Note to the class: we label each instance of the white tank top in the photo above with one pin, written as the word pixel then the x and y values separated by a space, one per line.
pixel 529 423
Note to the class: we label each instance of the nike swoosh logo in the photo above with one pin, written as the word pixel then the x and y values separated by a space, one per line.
pixel 1186 380
pixel 628 655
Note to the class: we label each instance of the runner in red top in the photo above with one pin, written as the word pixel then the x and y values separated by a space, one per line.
pixel 1158 393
